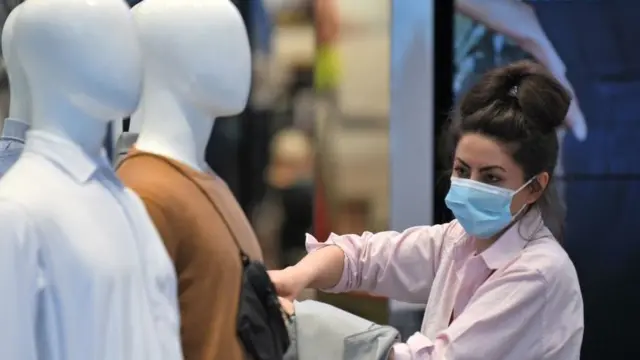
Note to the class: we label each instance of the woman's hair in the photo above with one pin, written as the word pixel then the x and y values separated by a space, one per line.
pixel 520 105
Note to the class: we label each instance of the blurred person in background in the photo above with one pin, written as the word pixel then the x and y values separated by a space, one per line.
pixel 285 214
pixel 327 78
pixel 327 24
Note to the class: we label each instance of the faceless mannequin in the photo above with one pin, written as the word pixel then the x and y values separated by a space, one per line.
pixel 19 103
pixel 196 67
pixel 206 74
pixel 15 126
pixel 97 79
pixel 84 272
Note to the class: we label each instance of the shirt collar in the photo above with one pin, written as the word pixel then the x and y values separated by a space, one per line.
pixel 67 155
pixel 509 245
pixel 14 129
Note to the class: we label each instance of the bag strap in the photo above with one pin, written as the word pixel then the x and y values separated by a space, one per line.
pixel 245 258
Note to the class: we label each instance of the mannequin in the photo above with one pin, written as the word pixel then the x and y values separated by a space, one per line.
pixel 191 90
pixel 83 272
pixel 15 126
pixel 205 75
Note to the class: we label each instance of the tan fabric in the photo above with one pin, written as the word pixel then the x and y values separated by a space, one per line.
pixel 202 247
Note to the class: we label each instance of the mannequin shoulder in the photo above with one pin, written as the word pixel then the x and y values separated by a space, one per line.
pixel 149 177
pixel 32 184
pixel 16 221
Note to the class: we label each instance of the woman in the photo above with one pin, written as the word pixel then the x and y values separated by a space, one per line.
pixel 497 283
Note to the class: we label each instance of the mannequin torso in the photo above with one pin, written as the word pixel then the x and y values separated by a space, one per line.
pixel 205 75
pixel 15 126
pixel 83 272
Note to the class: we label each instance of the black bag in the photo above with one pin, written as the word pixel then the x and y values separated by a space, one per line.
pixel 261 324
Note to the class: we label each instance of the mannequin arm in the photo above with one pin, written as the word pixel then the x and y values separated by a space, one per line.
pixel 20 282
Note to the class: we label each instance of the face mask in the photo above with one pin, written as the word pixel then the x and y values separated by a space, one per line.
pixel 483 210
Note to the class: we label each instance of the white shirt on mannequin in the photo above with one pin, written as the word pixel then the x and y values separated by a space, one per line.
pixel 11 143
pixel 66 281
pixel 83 273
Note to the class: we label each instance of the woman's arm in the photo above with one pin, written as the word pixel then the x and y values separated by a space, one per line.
pixel 397 265
pixel 323 268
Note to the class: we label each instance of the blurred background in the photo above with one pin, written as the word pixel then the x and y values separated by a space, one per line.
pixel 342 131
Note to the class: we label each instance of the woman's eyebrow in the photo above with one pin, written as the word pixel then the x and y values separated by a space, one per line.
pixel 484 168
pixel 462 162
pixel 492 167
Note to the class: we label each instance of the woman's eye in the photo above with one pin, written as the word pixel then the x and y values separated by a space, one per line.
pixel 492 179
pixel 461 172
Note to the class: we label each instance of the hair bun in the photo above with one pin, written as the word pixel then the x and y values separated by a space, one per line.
pixel 510 77
pixel 544 102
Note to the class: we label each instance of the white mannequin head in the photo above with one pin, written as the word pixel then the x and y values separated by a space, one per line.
pixel 19 103
pixel 197 64
pixel 82 62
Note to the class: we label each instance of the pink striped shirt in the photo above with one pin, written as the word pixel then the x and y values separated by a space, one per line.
pixel 517 300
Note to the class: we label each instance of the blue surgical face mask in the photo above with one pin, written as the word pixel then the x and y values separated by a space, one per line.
pixel 483 210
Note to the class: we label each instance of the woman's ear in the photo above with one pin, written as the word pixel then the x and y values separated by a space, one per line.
pixel 538 186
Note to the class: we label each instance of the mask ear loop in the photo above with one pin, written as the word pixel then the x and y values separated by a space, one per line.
pixel 525 185
pixel 519 212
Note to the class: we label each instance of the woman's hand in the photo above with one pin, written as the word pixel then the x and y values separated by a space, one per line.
pixel 287 306
pixel 288 282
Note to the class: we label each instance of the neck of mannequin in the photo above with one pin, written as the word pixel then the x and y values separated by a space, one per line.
pixel 171 127
pixel 56 115
pixel 18 100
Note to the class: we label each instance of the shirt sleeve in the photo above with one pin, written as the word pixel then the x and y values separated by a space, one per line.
pixel 20 282
pixel 503 320
pixel 397 265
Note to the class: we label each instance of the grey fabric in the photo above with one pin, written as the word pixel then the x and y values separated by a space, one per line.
pixel 11 143
pixel 10 151
pixel 325 332
pixel 407 321
pixel 125 142
pixel 374 343
pixel 292 352
pixel 14 130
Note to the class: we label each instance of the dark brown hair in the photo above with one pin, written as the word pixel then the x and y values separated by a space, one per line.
pixel 520 105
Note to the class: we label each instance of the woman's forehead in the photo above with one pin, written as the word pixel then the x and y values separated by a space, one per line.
pixel 477 150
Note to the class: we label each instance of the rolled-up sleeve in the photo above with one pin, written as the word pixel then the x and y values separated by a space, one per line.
pixel 504 320
pixel 401 265
pixel 20 281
